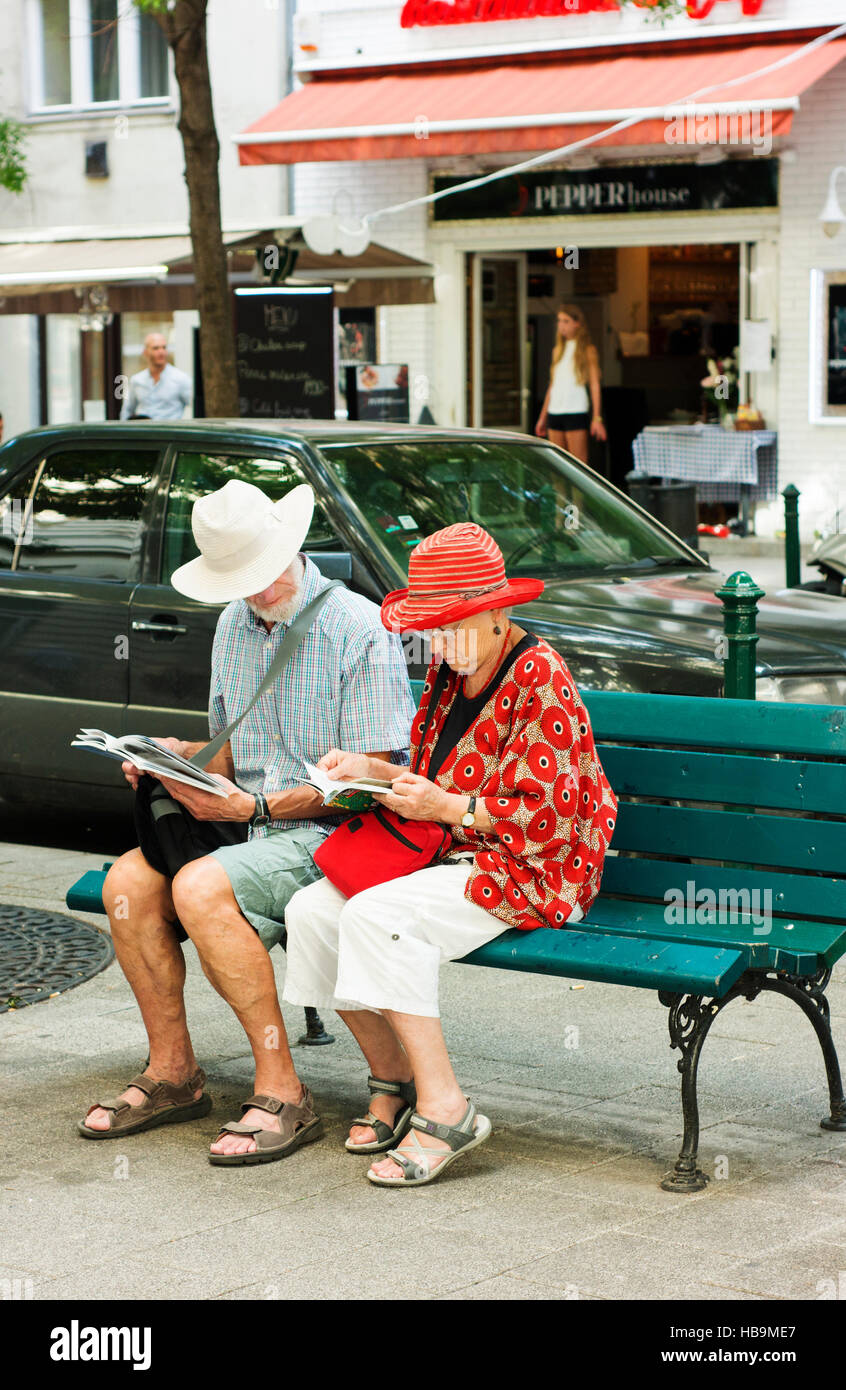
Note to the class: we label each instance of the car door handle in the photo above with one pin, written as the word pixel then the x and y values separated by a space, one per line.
pixel 174 628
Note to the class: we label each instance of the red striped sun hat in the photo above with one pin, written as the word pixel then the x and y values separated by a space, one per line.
pixel 453 574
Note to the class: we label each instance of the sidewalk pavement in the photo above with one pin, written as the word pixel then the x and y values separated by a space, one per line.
pixel 562 1202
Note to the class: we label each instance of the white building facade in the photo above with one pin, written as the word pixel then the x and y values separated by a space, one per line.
pixel 92 83
pixel 704 260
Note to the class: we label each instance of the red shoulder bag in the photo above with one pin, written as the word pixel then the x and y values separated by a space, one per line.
pixel 380 844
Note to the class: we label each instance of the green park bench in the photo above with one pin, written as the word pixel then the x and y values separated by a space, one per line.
pixel 727 876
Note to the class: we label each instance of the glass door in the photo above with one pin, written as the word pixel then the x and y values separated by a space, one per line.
pixel 498 341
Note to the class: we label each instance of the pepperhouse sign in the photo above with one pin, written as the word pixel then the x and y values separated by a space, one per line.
pixel 747 183
pixel 434 12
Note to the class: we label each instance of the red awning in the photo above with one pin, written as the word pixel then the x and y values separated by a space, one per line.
pixel 530 104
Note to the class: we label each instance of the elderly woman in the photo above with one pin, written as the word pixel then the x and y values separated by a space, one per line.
pixel 505 758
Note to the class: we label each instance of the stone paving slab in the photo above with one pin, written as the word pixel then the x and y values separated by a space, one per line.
pixel 562 1203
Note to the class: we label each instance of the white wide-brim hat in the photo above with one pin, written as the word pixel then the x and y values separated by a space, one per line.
pixel 245 540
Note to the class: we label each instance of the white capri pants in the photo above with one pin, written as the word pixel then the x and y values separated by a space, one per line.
pixel 383 948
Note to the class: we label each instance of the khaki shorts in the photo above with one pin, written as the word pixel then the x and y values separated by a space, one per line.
pixel 265 873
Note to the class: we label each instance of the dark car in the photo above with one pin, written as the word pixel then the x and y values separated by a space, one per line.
pixel 95 518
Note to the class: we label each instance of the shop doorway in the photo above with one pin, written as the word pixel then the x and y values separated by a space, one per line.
pixel 497 336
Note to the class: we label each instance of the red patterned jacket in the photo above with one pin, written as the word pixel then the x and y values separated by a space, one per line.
pixel 530 753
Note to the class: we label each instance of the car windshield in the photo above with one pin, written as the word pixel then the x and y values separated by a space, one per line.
pixel 549 517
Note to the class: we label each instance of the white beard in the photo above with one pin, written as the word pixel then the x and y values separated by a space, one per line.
pixel 278 612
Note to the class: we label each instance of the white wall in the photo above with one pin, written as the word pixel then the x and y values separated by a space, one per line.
pixel 247 56
pixel 146 187
pixel 432 339
pixel 811 456
pixel 350 31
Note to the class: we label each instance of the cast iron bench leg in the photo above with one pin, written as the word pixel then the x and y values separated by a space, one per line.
pixel 315 1034
pixel 808 992
pixel 689 1019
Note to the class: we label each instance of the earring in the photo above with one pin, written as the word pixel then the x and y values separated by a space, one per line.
pixel 497 629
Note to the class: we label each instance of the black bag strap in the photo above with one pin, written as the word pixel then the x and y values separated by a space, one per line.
pixel 434 700
pixel 292 639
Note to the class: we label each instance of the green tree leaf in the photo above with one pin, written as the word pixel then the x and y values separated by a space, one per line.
pixel 12 158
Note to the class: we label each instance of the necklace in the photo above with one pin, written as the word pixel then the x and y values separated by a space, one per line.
pixel 497 664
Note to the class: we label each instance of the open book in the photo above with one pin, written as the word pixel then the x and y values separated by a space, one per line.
pixel 148 756
pixel 341 794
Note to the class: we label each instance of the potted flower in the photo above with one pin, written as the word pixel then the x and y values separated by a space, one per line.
pixel 720 388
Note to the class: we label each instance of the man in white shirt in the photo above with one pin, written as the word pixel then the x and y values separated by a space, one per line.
pixel 161 392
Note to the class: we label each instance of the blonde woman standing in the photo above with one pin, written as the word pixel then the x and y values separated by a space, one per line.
pixel 572 405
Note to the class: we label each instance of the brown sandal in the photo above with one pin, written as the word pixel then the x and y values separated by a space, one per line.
pixel 167 1103
pixel 300 1125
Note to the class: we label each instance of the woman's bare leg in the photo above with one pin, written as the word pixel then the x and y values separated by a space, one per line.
pixel 386 1059
pixel 439 1096
pixel 577 444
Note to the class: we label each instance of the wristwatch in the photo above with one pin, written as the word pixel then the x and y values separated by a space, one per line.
pixel 468 820
pixel 261 815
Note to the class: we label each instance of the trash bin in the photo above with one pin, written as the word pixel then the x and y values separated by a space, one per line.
pixel 673 503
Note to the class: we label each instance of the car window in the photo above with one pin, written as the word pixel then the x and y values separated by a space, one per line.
pixel 78 513
pixel 197 474
pixel 548 516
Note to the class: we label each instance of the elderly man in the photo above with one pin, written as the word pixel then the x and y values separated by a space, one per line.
pixel 344 686
pixel 161 391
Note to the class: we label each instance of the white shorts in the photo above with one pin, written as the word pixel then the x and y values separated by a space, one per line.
pixel 383 948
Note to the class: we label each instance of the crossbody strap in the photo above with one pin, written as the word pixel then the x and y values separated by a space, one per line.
pixel 292 639
pixel 434 700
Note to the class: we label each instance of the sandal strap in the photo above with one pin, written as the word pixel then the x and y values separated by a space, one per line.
pixel 269 1103
pixel 238 1127
pixel 405 1089
pixel 410 1166
pixel 456 1136
pixel 176 1092
pixel 381 1128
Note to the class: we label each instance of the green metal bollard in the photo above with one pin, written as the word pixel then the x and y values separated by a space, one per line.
pixel 791 535
pixel 739 595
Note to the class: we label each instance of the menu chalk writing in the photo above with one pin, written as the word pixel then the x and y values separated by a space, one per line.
pixel 285 352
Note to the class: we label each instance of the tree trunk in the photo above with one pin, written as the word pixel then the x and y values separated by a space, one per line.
pixel 185 27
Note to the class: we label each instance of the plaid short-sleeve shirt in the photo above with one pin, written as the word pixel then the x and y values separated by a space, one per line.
pixel 346 686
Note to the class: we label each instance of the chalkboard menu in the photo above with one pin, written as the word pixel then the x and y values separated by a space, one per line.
pixel 378 391
pixel 285 342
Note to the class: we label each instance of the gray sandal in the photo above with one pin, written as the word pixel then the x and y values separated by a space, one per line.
pixel 385 1135
pixel 472 1129
pixel 300 1125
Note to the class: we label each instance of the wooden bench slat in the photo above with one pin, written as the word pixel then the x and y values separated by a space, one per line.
pixel 793 895
pixel 747 839
pixel 638 961
pixel 685 721
pixel 768 783
pixel 800 951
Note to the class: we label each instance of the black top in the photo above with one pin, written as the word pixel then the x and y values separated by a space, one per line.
pixel 466 710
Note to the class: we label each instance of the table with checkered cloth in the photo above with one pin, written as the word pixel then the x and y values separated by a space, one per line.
pixel 724 464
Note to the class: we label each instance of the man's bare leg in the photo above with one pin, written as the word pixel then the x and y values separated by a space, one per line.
pixel 141 915
pixel 240 969
pixel 387 1060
